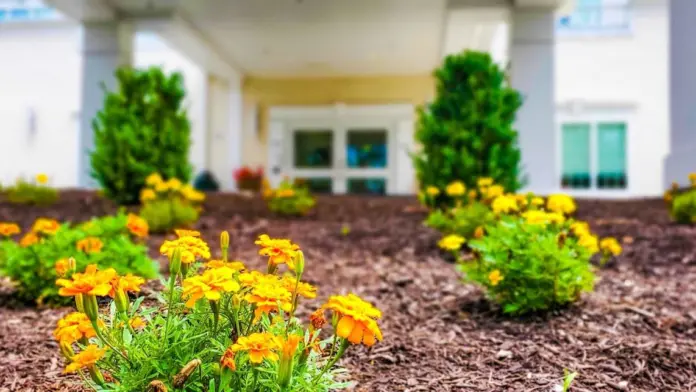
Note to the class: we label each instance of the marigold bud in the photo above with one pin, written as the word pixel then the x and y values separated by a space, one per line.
pixel 184 374
pixel 80 303
pixel 91 308
pixel 72 265
pixel 299 263
pixel 175 262
pixel 225 240
pixel 67 350
pixel 157 386
pixel 317 319
pixel 121 300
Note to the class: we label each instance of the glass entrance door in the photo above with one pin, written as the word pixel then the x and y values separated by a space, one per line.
pixel 342 159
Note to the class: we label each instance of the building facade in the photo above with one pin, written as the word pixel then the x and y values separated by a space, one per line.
pixel 319 96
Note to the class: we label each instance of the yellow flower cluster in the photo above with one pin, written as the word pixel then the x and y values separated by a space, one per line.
pixel 41 228
pixel 191 248
pixel 451 242
pixel 156 188
pixel 90 245
pixel 137 226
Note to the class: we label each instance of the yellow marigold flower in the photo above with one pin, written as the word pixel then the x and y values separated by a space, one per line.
pixel 537 201
pixel 73 327
pixel 8 229
pixel 455 189
pixel 287 192
pixel 451 242
pixel 153 179
pixel 162 187
pixel 589 242
pixel 432 191
pixel 91 282
pixel 147 194
pixel 62 266
pixel 41 179
pixel 86 358
pixel 279 251
pixel 484 182
pixel 303 289
pixel 495 277
pixel 580 228
pixel 692 178
pixel 560 203
pixel 191 248
pixel 90 245
pixel 29 239
pixel 137 322
pixel 174 184
pixel 187 233
pixel 227 360
pixel 233 265
pixel 505 204
pixel 269 296
pixel 45 226
pixel 137 226
pixel 259 346
pixel 191 194
pixel 611 246
pixel 211 284
pixel 494 191
pixel 128 284
pixel 317 319
pixel 542 217
pixel 356 319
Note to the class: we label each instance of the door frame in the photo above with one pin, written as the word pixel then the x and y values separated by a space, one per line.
pixel 339 118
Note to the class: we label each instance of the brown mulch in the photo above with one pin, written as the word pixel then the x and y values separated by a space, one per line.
pixel 635 333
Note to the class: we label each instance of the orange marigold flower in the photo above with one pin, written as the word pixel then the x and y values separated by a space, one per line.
pixel 259 346
pixel 73 327
pixel 317 319
pixel 303 289
pixel 85 359
pixel 136 322
pixel 254 278
pixel 45 226
pixel 90 245
pixel 137 226
pixel 269 296
pixel 495 277
pixel 357 319
pixel 191 248
pixel 227 360
pixel 8 229
pixel 90 282
pixel 187 233
pixel 279 251
pixel 589 242
pixel 62 266
pixel 128 284
pixel 211 284
pixel 234 265
pixel 29 239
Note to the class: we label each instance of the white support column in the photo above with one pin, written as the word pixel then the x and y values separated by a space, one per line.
pixel 105 47
pixel 532 57
pixel 224 152
pixel 681 159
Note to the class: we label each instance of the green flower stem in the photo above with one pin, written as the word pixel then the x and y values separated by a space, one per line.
pixel 106 341
pixel 172 282
pixel 344 345
pixel 256 379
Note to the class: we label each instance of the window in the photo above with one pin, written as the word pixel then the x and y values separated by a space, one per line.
pixel 597 16
pixel 593 155
pixel 26 11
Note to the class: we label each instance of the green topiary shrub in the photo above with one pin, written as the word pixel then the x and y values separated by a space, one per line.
pixel 467 132
pixel 142 129
pixel 683 208
pixel 163 216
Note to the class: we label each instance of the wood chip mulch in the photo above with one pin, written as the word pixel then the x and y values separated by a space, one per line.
pixel 636 332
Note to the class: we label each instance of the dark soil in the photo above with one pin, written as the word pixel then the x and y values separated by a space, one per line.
pixel 635 333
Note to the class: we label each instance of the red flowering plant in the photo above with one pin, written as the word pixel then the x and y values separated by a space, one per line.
pixel 249 179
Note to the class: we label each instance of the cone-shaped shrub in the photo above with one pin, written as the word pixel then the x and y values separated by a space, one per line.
pixel 142 129
pixel 467 132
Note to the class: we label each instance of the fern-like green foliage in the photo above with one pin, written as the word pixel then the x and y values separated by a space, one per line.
pixel 467 132
pixel 142 129
pixel 684 207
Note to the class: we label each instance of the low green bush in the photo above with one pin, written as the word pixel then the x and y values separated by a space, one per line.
pixel 532 263
pixel 165 215
pixel 27 192
pixel 683 208
pixel 41 256
pixel 290 199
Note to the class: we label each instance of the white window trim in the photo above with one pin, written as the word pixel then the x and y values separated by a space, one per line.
pixel 599 31
pixel 594 115
pixel 340 117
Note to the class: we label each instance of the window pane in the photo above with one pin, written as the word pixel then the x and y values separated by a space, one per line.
pixel 367 148
pixel 313 149
pixel 611 155
pixel 576 156
pixel 316 185
pixel 371 186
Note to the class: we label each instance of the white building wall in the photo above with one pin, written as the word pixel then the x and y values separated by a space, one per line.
pixel 40 75
pixel 622 76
